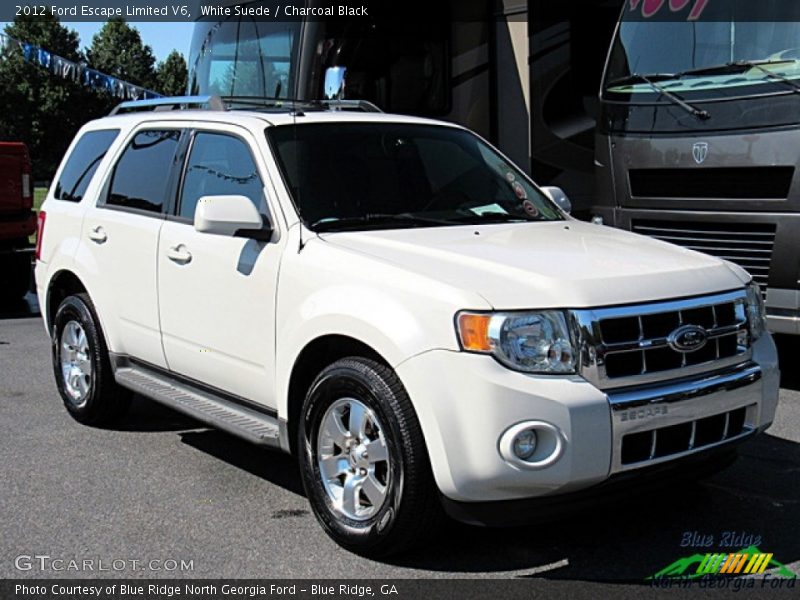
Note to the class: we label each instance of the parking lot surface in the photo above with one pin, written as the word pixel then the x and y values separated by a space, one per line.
pixel 165 488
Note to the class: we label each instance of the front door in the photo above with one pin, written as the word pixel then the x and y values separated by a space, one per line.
pixel 217 293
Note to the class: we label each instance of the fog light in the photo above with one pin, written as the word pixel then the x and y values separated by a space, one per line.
pixel 597 220
pixel 525 444
pixel 531 445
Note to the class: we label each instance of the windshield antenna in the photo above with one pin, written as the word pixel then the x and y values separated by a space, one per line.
pixel 301 243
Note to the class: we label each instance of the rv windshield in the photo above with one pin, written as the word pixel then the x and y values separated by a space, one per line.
pixel 355 176
pixel 244 57
pixel 706 60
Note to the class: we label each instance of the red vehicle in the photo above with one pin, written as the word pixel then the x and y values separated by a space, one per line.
pixel 17 220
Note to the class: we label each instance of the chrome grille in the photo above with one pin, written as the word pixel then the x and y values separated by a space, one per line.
pixel 684 437
pixel 748 245
pixel 631 345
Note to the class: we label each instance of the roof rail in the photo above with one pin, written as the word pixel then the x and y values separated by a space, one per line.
pixel 364 105
pixel 172 103
pixel 264 102
pixel 231 102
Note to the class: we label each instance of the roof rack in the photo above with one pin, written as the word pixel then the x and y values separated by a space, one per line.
pixel 364 105
pixel 172 103
pixel 233 102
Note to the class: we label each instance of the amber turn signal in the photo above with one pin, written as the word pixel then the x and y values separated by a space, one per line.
pixel 473 329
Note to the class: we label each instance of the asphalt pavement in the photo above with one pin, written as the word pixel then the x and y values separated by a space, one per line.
pixel 165 488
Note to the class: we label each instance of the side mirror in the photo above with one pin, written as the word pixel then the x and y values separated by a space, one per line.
pixel 233 216
pixel 557 195
pixel 334 83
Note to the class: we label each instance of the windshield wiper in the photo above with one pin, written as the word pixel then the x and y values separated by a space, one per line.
pixel 634 78
pixel 475 219
pixel 333 223
pixel 741 66
pixel 651 81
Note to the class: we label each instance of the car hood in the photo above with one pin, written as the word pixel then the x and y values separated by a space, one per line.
pixel 564 264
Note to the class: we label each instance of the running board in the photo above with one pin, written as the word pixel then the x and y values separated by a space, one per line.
pixel 250 425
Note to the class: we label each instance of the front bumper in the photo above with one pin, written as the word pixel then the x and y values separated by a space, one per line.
pixel 465 403
pixel 613 493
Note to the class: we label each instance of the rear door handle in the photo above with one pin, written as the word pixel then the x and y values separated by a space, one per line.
pixel 98 234
pixel 179 254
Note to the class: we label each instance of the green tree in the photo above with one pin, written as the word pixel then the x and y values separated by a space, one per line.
pixel 117 50
pixel 172 75
pixel 37 107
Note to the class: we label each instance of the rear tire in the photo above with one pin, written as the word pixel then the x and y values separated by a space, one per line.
pixel 82 367
pixel 364 462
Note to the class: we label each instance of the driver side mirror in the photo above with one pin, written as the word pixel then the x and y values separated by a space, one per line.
pixel 559 196
pixel 233 216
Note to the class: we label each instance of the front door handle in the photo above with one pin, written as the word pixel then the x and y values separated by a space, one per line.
pixel 98 234
pixel 179 254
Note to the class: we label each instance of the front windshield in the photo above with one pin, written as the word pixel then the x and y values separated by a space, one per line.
pixel 345 176
pixel 244 57
pixel 669 51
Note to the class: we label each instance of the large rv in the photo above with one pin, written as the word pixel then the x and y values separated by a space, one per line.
pixel 510 70
pixel 698 140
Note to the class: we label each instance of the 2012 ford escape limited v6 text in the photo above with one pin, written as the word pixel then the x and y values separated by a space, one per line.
pixel 395 303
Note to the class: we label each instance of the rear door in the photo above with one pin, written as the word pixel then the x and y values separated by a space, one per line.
pixel 217 293
pixel 121 236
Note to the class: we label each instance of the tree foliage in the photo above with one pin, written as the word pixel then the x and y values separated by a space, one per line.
pixel 45 111
pixel 117 50
pixel 172 75
pixel 35 107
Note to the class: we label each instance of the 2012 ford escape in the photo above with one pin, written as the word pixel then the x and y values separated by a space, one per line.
pixel 392 301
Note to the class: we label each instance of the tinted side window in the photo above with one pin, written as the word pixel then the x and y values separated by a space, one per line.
pixel 220 165
pixel 142 174
pixel 82 164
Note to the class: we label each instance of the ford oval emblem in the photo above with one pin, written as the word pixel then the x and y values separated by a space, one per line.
pixel 688 338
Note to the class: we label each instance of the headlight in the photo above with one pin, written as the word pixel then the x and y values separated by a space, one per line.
pixel 533 342
pixel 756 313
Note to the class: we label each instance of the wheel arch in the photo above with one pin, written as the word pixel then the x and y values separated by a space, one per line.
pixel 63 284
pixel 315 356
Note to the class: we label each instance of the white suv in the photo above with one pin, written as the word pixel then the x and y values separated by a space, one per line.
pixel 394 302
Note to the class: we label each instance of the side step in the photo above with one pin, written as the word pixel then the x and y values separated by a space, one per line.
pixel 250 425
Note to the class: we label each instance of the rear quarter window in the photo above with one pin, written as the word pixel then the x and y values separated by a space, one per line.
pixel 82 164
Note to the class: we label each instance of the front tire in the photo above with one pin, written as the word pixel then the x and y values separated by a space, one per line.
pixel 82 367
pixel 363 460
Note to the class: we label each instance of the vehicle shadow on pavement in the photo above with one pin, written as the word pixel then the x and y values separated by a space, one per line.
pixel 276 467
pixel 22 308
pixel 787 348
pixel 147 415
pixel 759 495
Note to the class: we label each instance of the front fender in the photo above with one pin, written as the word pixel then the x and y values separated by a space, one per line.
pixel 328 291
